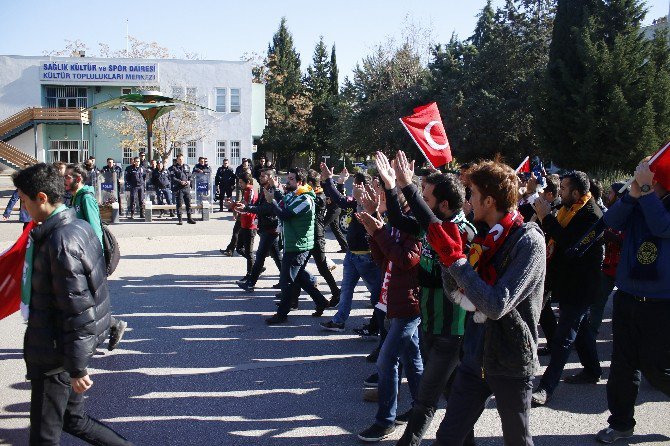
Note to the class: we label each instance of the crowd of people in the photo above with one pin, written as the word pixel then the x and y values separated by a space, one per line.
pixel 463 269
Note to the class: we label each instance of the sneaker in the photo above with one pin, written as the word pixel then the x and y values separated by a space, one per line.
pixel 404 418
pixel 581 378
pixel 609 435
pixel 319 311
pixel 371 394
pixel 116 334
pixel 225 252
pixel 332 326
pixel 246 286
pixel 543 351
pixel 372 357
pixel 372 380
pixel 540 397
pixel 365 332
pixel 276 319
pixel 376 433
pixel 244 279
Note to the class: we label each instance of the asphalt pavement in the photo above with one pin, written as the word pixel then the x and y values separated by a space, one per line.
pixel 198 365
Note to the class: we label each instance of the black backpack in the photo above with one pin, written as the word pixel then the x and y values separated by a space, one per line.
pixel 111 248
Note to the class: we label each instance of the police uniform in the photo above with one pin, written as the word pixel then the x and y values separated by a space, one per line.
pixel 182 192
pixel 135 181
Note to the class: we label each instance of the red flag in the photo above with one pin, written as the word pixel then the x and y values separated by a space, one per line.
pixel 11 273
pixel 426 129
pixel 524 167
pixel 660 165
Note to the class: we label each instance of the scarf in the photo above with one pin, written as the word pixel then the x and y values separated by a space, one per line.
pixel 26 283
pixel 564 217
pixel 303 189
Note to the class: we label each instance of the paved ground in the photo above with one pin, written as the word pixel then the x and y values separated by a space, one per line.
pixel 199 366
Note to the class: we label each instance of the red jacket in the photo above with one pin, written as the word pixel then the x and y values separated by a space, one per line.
pixel 398 256
pixel 248 220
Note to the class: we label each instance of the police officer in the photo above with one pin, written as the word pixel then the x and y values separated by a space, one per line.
pixel 161 180
pixel 181 185
pixel 225 183
pixel 108 171
pixel 143 161
pixel 135 176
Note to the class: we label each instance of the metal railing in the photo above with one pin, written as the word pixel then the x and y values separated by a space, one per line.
pixel 42 114
pixel 15 156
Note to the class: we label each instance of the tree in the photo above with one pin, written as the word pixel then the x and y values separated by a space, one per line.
pixel 286 104
pixel 606 87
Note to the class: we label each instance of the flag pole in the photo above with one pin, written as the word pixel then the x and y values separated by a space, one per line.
pixel 522 163
pixel 651 161
pixel 417 144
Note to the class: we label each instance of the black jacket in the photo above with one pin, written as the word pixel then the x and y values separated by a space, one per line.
pixel 574 280
pixel 69 305
pixel 110 170
pixel 135 176
pixel 181 173
pixel 357 236
pixel 225 177
pixel 319 216
pixel 160 178
pixel 267 219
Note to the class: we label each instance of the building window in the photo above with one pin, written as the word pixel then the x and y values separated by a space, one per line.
pixel 66 97
pixel 190 152
pixel 127 156
pixel 192 94
pixel 220 100
pixel 67 151
pixel 220 152
pixel 235 153
pixel 234 100
pixel 178 92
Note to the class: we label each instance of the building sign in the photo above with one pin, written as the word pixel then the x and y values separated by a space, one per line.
pixel 99 72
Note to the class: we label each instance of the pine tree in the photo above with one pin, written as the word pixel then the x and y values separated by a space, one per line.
pixel 287 107
pixel 318 86
pixel 334 74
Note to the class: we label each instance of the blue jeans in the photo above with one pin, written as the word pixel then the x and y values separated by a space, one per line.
pixel 401 344
pixel 292 275
pixel 164 196
pixel 573 328
pixel 357 266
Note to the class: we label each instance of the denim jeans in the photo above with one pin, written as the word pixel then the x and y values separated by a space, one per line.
pixel 268 244
pixel 598 307
pixel 401 345
pixel 56 408
pixel 292 275
pixel 442 356
pixel 164 196
pixel 641 347
pixel 466 404
pixel 357 266
pixel 573 328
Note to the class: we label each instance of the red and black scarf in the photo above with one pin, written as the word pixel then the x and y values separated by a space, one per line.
pixel 484 246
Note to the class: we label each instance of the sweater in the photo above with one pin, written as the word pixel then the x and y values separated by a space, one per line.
pixel 639 219
pixel 296 211
pixel 86 207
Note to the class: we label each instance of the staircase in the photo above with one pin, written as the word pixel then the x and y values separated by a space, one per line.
pixel 27 119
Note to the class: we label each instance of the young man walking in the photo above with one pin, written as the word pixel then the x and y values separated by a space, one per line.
pixel 502 277
pixel 296 211
pixel 86 208
pixel 575 283
pixel 65 300
pixel 248 222
pixel 641 311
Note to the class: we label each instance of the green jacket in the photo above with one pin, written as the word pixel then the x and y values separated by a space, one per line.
pixel 297 213
pixel 86 207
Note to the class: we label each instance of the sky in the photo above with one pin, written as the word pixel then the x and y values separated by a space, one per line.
pixel 227 30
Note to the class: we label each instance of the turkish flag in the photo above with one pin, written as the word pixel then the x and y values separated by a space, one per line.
pixel 426 129
pixel 11 273
pixel 524 167
pixel 660 165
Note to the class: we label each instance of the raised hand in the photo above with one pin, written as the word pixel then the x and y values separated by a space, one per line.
pixel 370 223
pixel 404 170
pixel 370 200
pixel 385 170
pixel 358 192
pixel 344 176
pixel 325 172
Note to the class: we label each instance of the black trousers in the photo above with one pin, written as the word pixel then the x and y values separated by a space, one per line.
pixel 641 335
pixel 293 274
pixel 56 408
pixel 442 357
pixel 136 197
pixel 268 245
pixel 236 234
pixel 319 255
pixel 183 196
pixel 548 321
pixel 224 192
pixel 332 219
pixel 466 404
pixel 247 237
